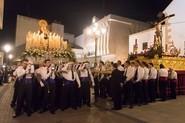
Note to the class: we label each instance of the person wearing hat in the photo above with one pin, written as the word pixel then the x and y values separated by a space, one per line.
pixel 85 78
pixel 70 80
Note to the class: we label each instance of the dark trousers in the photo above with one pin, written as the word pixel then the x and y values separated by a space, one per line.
pixel 145 91
pixel 85 91
pixel 44 95
pixel 96 88
pixel 24 96
pixel 162 88
pixel 129 93
pixel 152 90
pixel 138 90
pixel 173 89
pixel 15 94
pixel 52 94
pixel 103 88
pixel 116 96
pixel 68 95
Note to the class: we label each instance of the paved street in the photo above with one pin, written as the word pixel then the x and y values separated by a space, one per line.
pixel 160 112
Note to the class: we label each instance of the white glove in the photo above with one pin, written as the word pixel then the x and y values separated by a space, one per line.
pixel 41 84
pixel 93 84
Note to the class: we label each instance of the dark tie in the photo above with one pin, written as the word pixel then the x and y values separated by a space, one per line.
pixel 72 74
pixel 135 77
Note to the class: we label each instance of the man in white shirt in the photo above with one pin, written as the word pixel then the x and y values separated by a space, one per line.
pixel 172 81
pixel 25 88
pixel 70 84
pixel 128 84
pixel 86 78
pixel 163 82
pixel 152 85
pixel 18 73
pixel 120 68
pixel 43 73
pixel 145 83
pixel 138 88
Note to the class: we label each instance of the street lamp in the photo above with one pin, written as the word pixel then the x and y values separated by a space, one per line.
pixel 7 48
pixel 10 56
pixel 95 30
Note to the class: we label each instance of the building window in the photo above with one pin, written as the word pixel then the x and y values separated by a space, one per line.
pixel 145 46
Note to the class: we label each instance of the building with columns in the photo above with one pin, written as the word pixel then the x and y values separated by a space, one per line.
pixel 113 44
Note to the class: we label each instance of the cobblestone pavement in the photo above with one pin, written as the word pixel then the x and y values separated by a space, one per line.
pixel 83 115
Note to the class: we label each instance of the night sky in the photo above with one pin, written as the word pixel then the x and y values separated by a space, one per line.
pixel 76 14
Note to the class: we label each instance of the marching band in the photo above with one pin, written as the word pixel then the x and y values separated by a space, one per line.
pixel 49 87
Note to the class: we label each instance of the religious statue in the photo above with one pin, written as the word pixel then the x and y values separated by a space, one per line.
pixel 135 47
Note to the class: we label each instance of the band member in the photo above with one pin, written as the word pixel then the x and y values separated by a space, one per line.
pixel 129 92
pixel 43 73
pixel 145 83
pixel 96 81
pixel 163 82
pixel 102 80
pixel 85 78
pixel 138 88
pixel 120 67
pixel 52 89
pixel 25 89
pixel 115 82
pixel 17 75
pixel 152 82
pixel 70 81
pixel 172 81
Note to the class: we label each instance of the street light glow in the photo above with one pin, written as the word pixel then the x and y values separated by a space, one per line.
pixel 94 20
pixel 10 56
pixel 7 48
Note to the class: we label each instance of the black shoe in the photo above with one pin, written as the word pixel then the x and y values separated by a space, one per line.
pixel 89 105
pixel 12 105
pixel 52 112
pixel 16 115
pixel 116 108
pixel 42 111
pixel 131 107
pixel 28 114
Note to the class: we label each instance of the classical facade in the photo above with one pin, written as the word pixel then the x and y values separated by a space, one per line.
pixel 114 43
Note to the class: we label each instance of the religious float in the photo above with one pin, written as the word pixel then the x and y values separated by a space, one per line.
pixel 168 55
pixel 47 45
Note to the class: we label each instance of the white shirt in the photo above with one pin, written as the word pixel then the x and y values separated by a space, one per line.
pixel 130 73
pixel 43 72
pixel 152 73
pixel 68 76
pixel 146 73
pixel 20 71
pixel 173 75
pixel 163 72
pixel 84 73
pixel 140 73
pixel 120 68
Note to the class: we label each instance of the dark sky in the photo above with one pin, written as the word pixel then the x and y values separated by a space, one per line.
pixel 76 14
